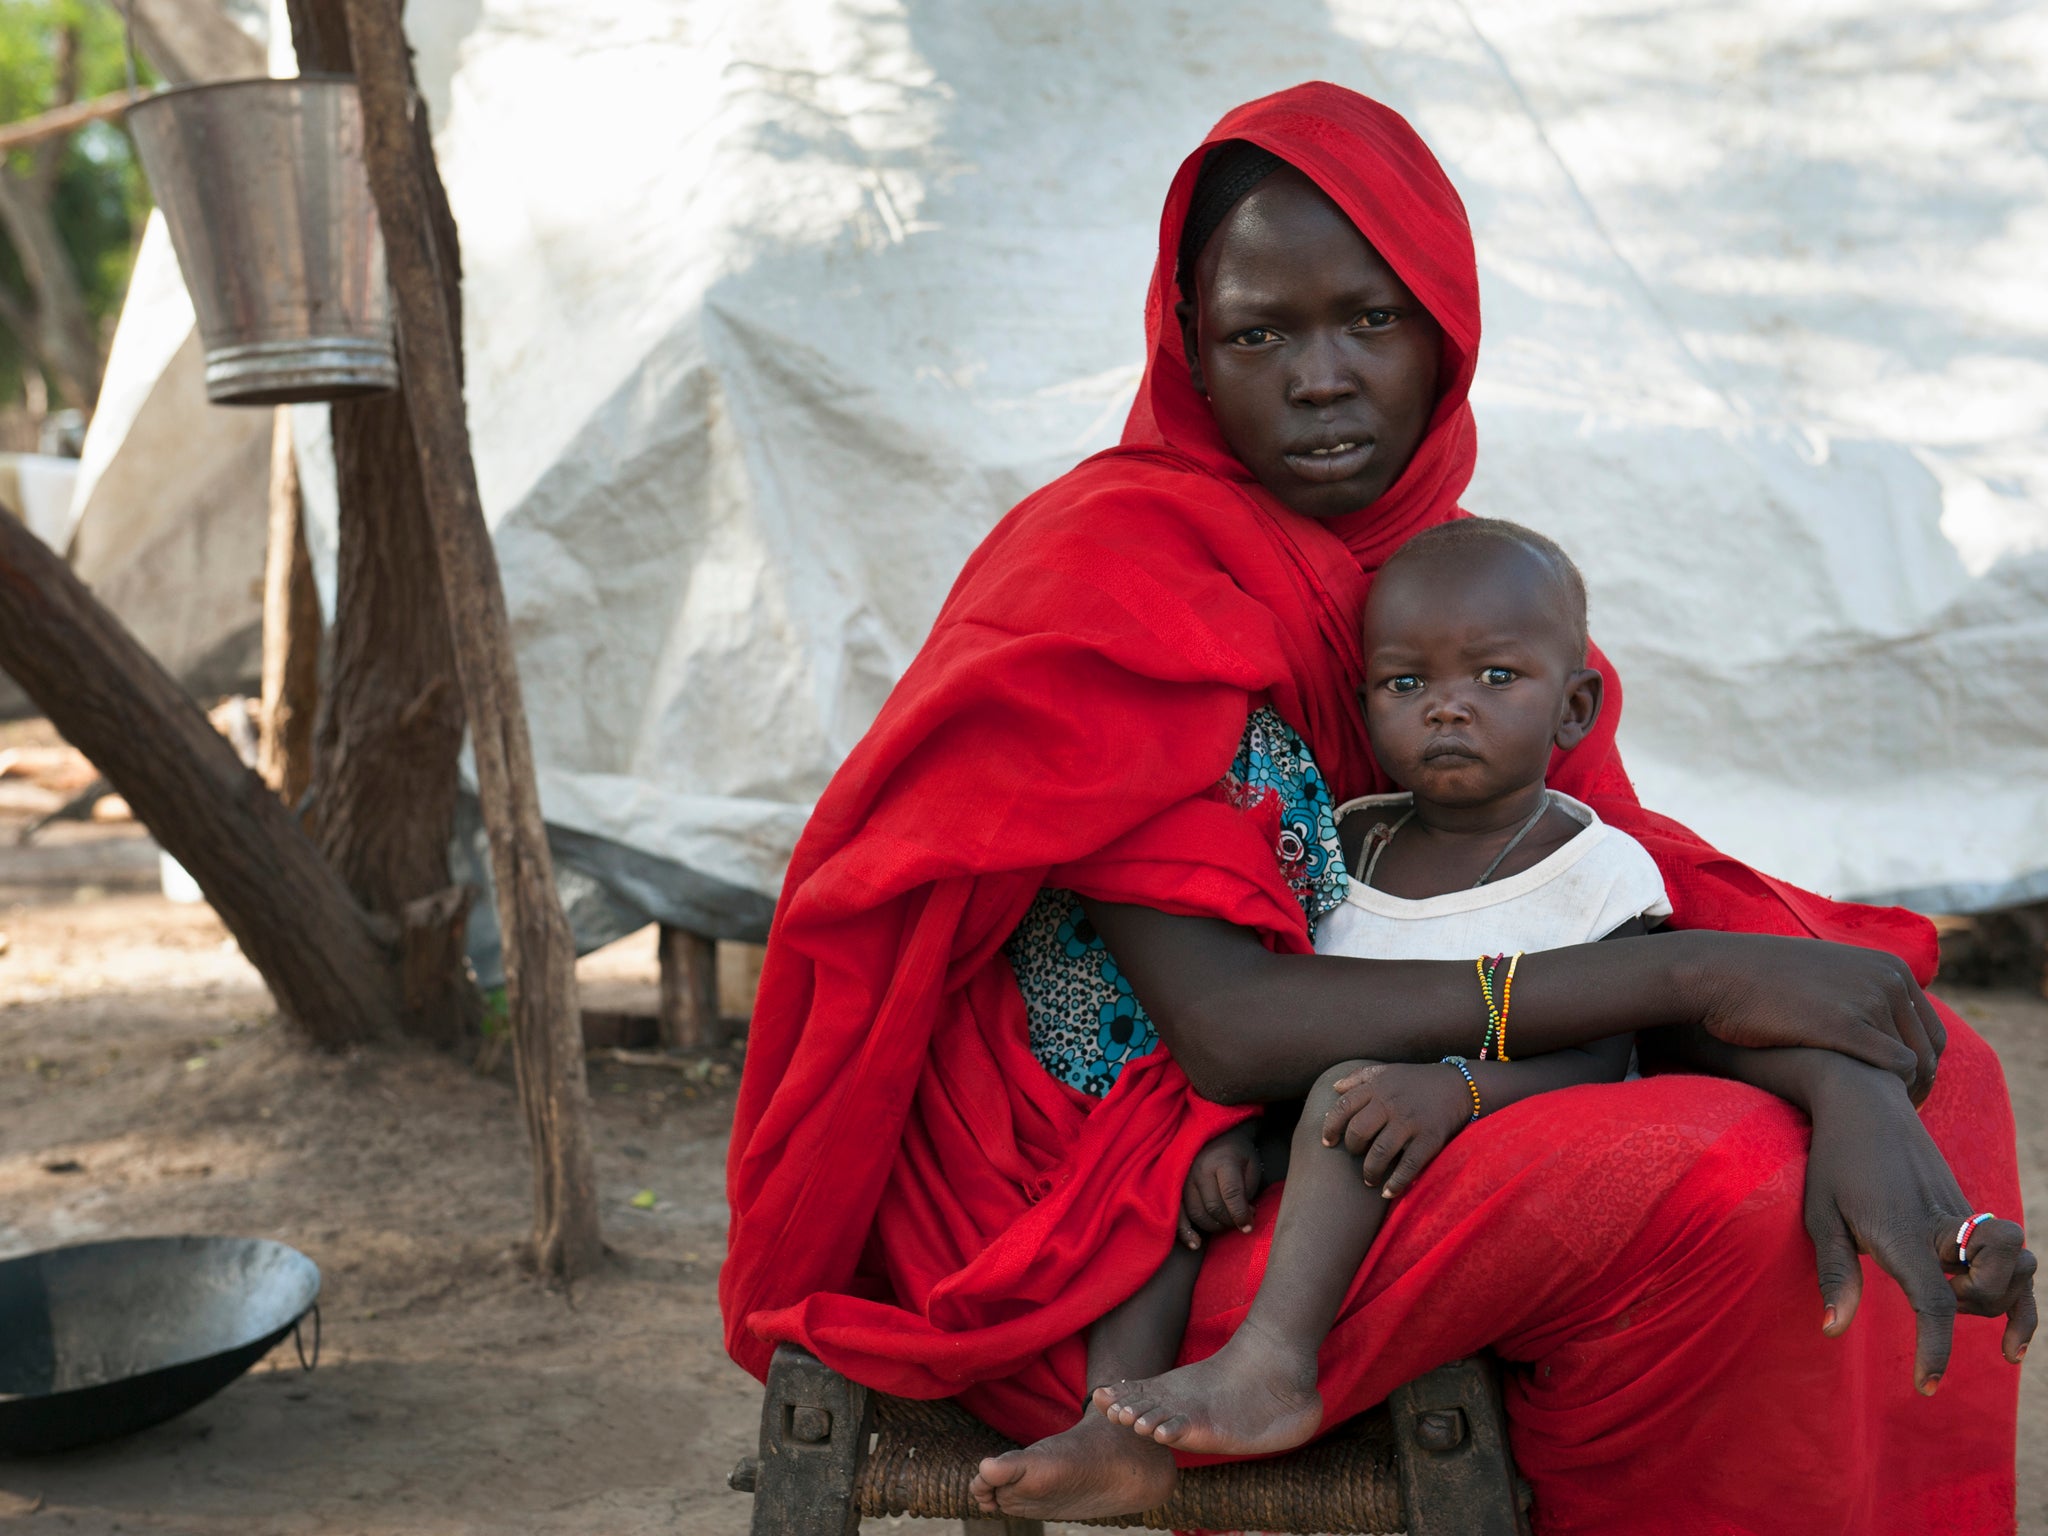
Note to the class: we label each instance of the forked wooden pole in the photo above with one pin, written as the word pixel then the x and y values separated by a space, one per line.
pixel 291 630
pixel 540 975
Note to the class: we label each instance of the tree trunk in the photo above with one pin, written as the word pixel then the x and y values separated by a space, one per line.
pixel 390 730
pixel 539 955
pixel 110 699
pixel 291 630
pixel 64 340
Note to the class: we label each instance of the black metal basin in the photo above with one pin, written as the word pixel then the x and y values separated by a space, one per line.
pixel 103 1339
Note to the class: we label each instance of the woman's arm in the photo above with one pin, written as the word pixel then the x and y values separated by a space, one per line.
pixel 1877 1184
pixel 1250 1026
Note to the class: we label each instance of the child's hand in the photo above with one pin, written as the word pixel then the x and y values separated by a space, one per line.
pixel 1398 1117
pixel 1221 1185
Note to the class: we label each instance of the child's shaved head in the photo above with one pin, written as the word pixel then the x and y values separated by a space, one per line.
pixel 1470 536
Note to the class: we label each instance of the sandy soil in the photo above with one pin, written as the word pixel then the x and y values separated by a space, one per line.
pixel 453 1394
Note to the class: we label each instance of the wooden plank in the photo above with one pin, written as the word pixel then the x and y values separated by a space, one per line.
pixel 814 1436
pixel 1455 1469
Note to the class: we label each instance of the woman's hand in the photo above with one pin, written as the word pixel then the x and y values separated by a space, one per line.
pixel 1397 1117
pixel 1757 990
pixel 1876 1183
pixel 1222 1185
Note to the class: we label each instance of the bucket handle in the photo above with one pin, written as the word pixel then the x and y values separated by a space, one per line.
pixel 299 1343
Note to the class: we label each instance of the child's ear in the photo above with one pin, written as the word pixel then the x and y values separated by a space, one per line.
pixel 1581 708
pixel 1184 312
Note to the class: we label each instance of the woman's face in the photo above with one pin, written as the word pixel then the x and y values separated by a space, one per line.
pixel 1318 362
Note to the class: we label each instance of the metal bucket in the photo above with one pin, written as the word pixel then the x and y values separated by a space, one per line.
pixel 262 184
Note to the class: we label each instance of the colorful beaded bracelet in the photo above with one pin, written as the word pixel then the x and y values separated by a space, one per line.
pixel 1466 1073
pixel 1496 1038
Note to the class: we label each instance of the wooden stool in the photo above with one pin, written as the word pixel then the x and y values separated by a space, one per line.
pixel 1432 1461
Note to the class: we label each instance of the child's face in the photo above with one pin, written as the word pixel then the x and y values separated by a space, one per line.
pixel 1319 364
pixel 1472 674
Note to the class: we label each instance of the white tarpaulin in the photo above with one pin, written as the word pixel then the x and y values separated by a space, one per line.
pixel 171 507
pixel 774 307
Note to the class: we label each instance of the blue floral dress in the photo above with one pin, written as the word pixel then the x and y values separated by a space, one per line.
pixel 1086 1023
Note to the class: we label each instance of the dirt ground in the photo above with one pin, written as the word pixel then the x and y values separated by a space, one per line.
pixel 144 1088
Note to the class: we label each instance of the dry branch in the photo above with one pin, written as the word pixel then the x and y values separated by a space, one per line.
pixel 62 120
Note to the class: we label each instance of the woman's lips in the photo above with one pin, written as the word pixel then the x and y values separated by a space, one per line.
pixel 1339 461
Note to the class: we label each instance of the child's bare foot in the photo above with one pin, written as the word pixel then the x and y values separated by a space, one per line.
pixel 1089 1472
pixel 1251 1398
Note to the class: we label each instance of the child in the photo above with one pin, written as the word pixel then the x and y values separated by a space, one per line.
pixel 1475 651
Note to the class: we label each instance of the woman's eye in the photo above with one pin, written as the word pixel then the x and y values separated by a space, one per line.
pixel 1376 319
pixel 1496 677
pixel 1406 683
pixel 1257 336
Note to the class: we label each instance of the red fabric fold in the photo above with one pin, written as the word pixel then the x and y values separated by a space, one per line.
pixel 919 1203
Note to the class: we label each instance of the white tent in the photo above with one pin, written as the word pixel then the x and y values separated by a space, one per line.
pixel 773 308
pixel 170 511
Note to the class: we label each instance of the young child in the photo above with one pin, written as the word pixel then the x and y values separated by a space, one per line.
pixel 1475 653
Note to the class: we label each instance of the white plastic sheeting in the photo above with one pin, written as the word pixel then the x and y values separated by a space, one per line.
pixel 171 505
pixel 37 488
pixel 774 307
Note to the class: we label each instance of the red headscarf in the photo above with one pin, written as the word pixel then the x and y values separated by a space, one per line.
pixel 913 1197
pixel 1407 208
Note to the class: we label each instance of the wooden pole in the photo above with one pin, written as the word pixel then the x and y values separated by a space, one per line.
pixel 291 630
pixel 540 975
pixel 689 990
pixel 112 700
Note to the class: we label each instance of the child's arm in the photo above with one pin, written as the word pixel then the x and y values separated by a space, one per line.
pixel 1599 1061
pixel 1399 1115
pixel 1502 1083
pixel 1221 1185
pixel 1231 1170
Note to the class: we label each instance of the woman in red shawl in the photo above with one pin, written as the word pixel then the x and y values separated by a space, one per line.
pixel 918 1200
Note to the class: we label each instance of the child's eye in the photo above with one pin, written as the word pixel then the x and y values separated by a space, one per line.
pixel 1407 682
pixel 1496 677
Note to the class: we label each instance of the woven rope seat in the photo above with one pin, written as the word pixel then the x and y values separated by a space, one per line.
pixel 1430 1461
pixel 1350 1480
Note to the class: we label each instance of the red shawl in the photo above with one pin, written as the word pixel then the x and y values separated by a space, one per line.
pixel 912 1196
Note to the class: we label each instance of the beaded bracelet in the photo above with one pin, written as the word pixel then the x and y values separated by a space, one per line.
pixel 1487 966
pixel 1970 1226
pixel 1466 1073
pixel 1496 1036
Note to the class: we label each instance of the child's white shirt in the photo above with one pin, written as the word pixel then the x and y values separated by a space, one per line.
pixel 1585 890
